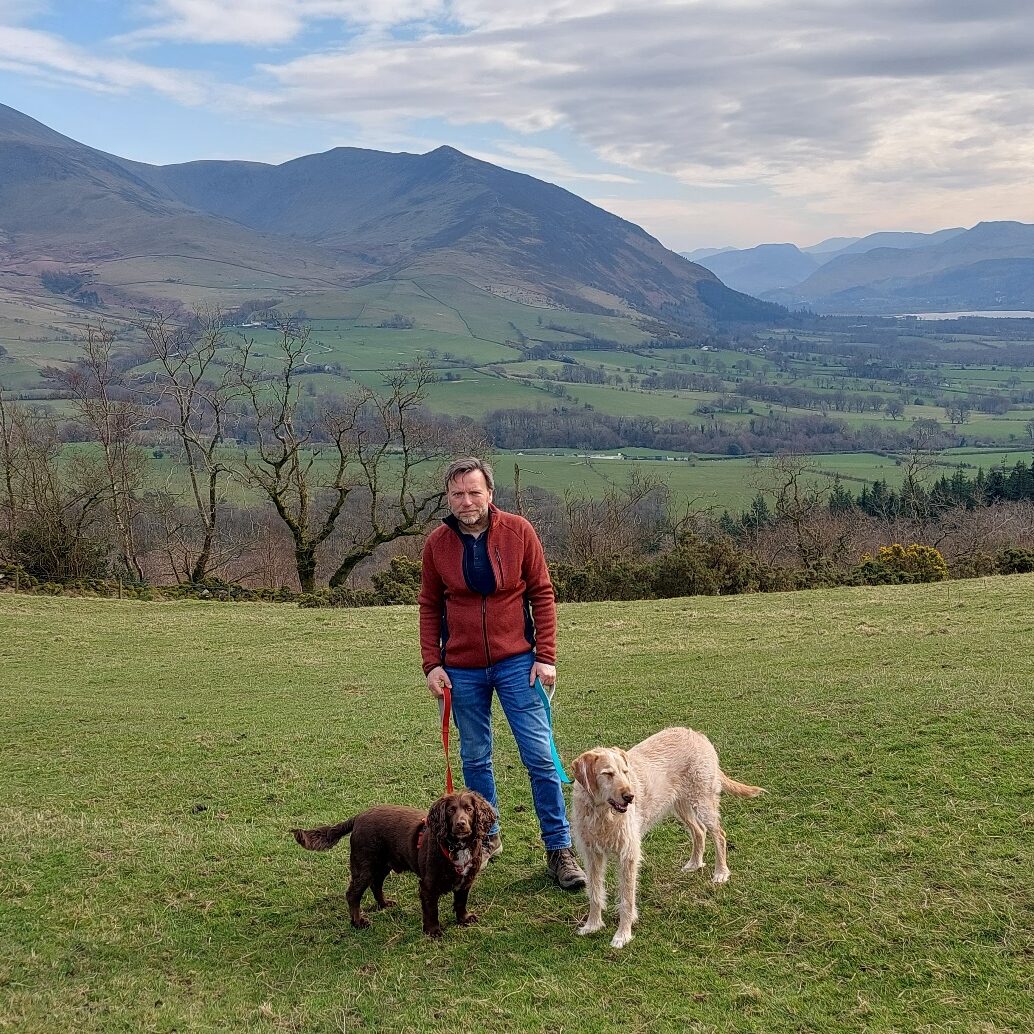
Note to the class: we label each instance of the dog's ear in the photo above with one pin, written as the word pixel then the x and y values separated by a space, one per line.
pixel 585 771
pixel 438 821
pixel 484 816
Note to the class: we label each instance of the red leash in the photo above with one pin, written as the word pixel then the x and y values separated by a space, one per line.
pixel 445 706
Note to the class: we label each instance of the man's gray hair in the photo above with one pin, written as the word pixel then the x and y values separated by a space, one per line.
pixel 466 466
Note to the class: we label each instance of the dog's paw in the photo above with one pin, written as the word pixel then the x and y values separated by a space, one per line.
pixel 620 939
pixel 435 932
pixel 388 903
pixel 590 927
pixel 692 866
pixel 721 877
pixel 468 920
pixel 361 922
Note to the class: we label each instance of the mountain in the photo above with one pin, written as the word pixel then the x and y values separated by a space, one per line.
pixel 764 268
pixel 702 253
pixel 67 204
pixel 888 272
pixel 984 267
pixel 330 220
pixel 891 239
pixel 446 212
pixel 831 244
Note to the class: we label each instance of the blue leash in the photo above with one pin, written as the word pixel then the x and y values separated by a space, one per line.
pixel 557 763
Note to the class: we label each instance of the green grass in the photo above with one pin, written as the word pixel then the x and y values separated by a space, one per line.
pixel 155 755
pixel 714 483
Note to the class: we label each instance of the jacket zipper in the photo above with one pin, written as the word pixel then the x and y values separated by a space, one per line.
pixel 484 603
pixel 484 630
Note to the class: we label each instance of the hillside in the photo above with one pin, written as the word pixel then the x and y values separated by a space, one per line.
pixel 331 220
pixel 65 204
pixel 158 753
pixel 761 269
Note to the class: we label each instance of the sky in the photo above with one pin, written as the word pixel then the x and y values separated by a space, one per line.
pixel 711 124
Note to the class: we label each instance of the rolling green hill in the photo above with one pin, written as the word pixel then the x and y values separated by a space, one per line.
pixel 156 755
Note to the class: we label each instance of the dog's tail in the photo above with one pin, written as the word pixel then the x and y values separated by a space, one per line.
pixel 739 789
pixel 323 838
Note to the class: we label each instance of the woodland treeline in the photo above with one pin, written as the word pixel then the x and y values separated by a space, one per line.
pixel 208 464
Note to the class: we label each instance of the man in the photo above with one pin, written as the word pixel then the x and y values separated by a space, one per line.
pixel 488 623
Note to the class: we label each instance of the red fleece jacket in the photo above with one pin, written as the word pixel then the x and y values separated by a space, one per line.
pixel 464 629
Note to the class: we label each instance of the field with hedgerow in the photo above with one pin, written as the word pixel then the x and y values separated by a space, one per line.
pixel 155 755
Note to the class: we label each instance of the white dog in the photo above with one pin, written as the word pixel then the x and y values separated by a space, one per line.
pixel 619 796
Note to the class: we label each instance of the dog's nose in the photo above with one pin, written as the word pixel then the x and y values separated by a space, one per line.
pixel 628 797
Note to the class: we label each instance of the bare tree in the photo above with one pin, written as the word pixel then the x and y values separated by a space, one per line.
pixel 800 505
pixel 957 411
pixel 377 450
pixel 922 456
pixel 894 408
pixel 194 396
pixel 8 464
pixel 686 516
pixel 53 505
pixel 107 407
pixel 396 451
pixel 630 518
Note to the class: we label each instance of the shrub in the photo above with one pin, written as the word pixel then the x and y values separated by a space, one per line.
pixel 51 551
pixel 974 566
pixel 683 572
pixel 611 579
pixel 1014 560
pixel 896 564
pixel 400 583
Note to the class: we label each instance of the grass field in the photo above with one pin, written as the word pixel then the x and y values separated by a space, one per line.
pixel 713 483
pixel 155 755
pixel 489 352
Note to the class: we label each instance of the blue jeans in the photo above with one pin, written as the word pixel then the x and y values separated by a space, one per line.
pixel 472 711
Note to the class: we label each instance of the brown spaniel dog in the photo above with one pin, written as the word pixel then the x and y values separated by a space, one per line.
pixel 442 846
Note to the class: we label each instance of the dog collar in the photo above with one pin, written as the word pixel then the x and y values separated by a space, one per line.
pixel 462 861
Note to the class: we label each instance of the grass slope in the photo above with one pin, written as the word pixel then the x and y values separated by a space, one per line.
pixel 155 755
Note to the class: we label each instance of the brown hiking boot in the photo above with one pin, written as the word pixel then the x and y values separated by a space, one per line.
pixel 565 870
pixel 491 847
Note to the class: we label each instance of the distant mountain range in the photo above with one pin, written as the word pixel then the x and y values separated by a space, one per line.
pixel 990 266
pixel 330 221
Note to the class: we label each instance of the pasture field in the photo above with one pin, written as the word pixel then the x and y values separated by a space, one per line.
pixel 155 755
pixel 707 483
pixel 489 353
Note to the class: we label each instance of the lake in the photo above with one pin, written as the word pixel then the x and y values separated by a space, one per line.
pixel 995 314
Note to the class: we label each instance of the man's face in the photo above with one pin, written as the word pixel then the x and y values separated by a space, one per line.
pixel 469 496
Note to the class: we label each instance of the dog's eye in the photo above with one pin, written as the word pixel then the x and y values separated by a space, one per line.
pixel 606 771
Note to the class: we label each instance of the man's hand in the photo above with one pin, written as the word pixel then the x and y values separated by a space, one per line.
pixel 438 682
pixel 546 672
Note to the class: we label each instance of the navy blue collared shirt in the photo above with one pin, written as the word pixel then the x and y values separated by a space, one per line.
pixel 477 568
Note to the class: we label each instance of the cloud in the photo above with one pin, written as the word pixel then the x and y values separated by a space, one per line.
pixel 268 22
pixel 543 162
pixel 822 109
pixel 43 56
pixel 21 12
pixel 832 101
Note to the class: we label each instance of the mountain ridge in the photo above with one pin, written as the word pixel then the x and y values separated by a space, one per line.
pixel 343 216
pixel 945 270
